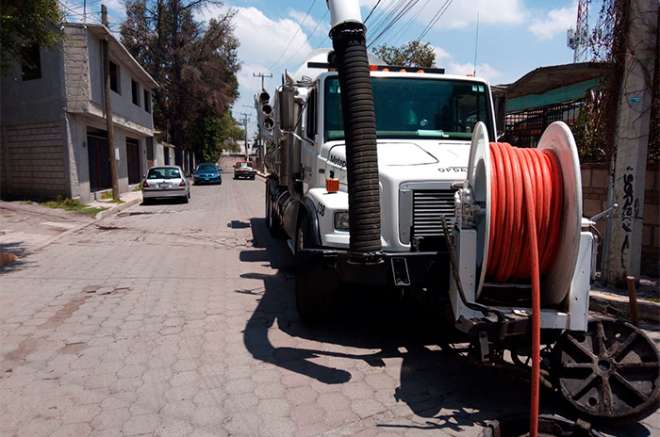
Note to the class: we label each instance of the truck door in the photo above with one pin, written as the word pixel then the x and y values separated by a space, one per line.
pixel 308 149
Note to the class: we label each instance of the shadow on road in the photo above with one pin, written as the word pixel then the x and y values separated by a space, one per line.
pixel 11 256
pixel 435 383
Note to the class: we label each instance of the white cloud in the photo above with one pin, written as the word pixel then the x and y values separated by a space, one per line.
pixel 263 40
pixel 308 23
pixel 484 71
pixel 555 21
pixel 445 60
pixel 266 46
pixel 441 54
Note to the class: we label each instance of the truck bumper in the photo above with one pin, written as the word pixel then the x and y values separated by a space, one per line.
pixel 419 270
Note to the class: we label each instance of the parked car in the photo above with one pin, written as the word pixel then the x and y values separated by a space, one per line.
pixel 243 170
pixel 207 173
pixel 165 182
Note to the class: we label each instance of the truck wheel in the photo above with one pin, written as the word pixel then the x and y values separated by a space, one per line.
pixel 317 285
pixel 272 222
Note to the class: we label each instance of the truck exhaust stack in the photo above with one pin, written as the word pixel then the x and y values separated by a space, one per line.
pixel 348 40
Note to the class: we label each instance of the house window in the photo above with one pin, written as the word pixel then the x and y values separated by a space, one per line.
pixel 135 91
pixel 30 62
pixel 147 101
pixel 114 78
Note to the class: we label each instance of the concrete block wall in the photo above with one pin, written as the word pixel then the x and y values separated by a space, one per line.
pixel 34 161
pixel 594 194
pixel 76 69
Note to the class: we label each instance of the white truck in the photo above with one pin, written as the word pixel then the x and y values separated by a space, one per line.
pixel 387 177
pixel 424 122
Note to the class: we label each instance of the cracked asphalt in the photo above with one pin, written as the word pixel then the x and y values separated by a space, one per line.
pixel 179 320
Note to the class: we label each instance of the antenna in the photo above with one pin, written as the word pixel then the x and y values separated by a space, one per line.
pixel 578 38
pixel 476 46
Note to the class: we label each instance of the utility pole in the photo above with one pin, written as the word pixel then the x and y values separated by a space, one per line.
pixel 107 101
pixel 631 139
pixel 262 76
pixel 246 118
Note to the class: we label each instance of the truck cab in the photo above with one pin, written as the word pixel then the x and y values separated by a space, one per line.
pixel 424 126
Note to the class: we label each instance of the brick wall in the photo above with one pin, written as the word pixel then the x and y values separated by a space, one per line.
pixel 33 161
pixel 76 69
pixel 594 192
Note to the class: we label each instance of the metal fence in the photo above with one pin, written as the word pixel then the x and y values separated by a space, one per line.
pixel 524 128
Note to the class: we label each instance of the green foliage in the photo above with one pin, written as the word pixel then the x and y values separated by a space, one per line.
pixel 195 65
pixel 412 54
pixel 213 135
pixel 73 205
pixel 24 24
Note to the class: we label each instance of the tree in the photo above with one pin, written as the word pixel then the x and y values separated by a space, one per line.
pixel 215 134
pixel 195 66
pixel 412 54
pixel 24 24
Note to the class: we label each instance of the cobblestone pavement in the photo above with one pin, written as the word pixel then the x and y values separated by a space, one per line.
pixel 179 320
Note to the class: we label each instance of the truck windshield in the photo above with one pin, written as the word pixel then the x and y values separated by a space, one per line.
pixel 416 108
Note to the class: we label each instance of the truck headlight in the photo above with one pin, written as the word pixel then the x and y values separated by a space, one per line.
pixel 341 220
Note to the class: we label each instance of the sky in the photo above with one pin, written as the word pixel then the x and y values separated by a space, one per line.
pixel 514 36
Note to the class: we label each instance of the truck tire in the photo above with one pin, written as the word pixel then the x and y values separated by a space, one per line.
pixel 272 222
pixel 317 284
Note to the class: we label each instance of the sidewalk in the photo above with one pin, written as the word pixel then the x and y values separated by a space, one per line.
pixel 616 304
pixel 27 227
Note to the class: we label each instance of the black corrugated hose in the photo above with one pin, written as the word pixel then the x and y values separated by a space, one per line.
pixel 360 133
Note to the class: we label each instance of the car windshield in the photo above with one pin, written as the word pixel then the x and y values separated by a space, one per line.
pixel 164 173
pixel 244 165
pixel 416 108
pixel 207 168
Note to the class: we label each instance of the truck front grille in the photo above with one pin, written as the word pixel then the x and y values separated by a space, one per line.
pixel 428 205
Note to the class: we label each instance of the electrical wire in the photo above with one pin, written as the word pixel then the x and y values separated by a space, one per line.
pixel 406 26
pixel 288 45
pixel 372 11
pixel 441 11
pixel 404 10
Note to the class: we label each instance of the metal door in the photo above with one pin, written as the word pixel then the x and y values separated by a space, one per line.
pixel 133 160
pixel 99 162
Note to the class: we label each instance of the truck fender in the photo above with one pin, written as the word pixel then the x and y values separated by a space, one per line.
pixel 309 208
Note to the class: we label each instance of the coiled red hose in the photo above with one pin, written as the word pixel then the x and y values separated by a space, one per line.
pixel 526 205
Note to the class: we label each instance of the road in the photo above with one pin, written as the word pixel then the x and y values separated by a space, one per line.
pixel 179 320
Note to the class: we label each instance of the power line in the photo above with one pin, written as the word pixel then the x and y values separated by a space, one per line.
pixel 404 10
pixel 384 16
pixel 288 45
pixel 406 26
pixel 372 11
pixel 441 11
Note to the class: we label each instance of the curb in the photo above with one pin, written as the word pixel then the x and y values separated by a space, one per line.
pixel 618 306
pixel 101 215
pixel 116 209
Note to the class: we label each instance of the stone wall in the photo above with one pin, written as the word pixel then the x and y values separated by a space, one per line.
pixel 594 191
pixel 34 161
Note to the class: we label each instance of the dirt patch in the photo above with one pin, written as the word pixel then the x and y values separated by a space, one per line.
pixel 25 348
pixel 64 313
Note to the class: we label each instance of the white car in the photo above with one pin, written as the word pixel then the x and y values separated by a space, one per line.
pixel 165 182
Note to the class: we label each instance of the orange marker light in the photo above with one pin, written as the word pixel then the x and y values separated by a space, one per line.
pixel 332 185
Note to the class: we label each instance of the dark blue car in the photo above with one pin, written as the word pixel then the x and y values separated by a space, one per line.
pixel 207 173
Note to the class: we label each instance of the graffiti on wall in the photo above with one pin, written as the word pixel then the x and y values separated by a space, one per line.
pixel 629 212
